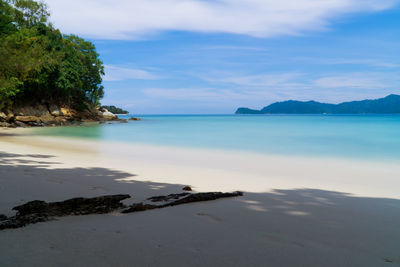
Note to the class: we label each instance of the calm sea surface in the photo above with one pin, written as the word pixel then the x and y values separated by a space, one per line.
pixel 375 137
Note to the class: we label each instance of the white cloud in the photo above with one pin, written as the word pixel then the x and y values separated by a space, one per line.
pixel 293 81
pixel 117 73
pixel 200 94
pixel 127 19
pixel 350 61
pixel 261 80
pixel 354 80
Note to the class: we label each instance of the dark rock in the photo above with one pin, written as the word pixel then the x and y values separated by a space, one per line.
pixel 74 206
pixel 19 124
pixel 167 198
pixel 40 211
pixel 140 207
pixel 187 188
pixel 31 110
pixel 36 124
pixel 179 200
pixel 202 197
pixel 134 119
pixel 21 221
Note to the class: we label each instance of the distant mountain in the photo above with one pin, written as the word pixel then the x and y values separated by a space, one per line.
pixel 386 105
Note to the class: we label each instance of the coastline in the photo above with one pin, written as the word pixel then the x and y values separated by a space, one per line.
pixel 217 169
pixel 317 211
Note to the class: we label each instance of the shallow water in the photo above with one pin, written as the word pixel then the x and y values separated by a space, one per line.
pixel 375 137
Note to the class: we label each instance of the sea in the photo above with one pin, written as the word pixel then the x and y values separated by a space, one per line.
pixel 362 137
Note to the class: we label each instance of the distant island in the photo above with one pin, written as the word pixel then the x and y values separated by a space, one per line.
pixel 386 105
pixel 115 110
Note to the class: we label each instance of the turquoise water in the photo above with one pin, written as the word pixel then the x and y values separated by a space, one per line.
pixel 374 137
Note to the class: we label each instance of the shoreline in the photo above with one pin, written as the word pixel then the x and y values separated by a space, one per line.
pixel 295 211
pixel 217 168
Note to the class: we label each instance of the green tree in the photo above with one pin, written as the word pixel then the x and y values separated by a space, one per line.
pixel 38 63
pixel 29 13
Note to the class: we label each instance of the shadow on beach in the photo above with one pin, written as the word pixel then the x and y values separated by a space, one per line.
pixel 299 227
pixel 30 177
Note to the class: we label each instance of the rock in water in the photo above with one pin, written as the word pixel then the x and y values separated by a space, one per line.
pixel 187 188
pixel 134 119
pixel 107 115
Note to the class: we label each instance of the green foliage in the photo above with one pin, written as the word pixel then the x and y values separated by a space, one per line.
pixel 38 63
pixel 6 18
pixel 115 110
pixel 29 12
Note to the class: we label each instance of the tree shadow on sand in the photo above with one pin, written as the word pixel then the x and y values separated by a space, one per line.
pixel 30 177
pixel 279 227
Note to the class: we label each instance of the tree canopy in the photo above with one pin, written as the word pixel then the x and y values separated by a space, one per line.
pixel 40 64
pixel 115 110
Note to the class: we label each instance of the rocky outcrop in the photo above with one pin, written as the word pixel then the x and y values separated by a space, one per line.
pixel 3 117
pixel 50 115
pixel 74 206
pixel 41 211
pixel 27 119
pixel 171 197
pixel 179 199
pixel 55 111
pixel 107 115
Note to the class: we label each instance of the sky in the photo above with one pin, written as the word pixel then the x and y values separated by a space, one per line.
pixel 213 56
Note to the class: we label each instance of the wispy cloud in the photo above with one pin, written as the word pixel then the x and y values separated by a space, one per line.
pixel 199 94
pixel 234 47
pixel 118 73
pixel 368 62
pixel 297 81
pixel 260 80
pixel 127 19
pixel 351 61
pixel 355 80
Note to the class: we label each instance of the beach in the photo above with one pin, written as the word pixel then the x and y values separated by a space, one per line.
pixel 296 211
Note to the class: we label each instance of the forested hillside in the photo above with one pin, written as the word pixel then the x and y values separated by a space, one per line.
pixel 40 65
pixel 387 105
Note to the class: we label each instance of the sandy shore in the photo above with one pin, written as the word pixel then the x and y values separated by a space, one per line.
pixel 295 212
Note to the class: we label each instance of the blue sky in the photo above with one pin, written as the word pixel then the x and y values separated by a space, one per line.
pixel 200 56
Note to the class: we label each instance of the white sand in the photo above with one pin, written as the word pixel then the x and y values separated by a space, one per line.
pixel 292 214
